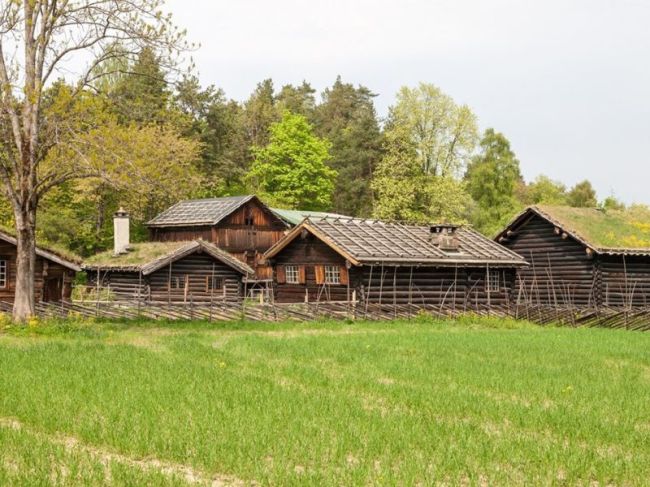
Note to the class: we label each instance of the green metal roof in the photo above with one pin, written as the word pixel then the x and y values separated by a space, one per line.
pixel 294 217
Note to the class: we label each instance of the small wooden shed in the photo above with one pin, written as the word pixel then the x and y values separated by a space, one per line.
pixel 171 272
pixel 581 256
pixel 241 225
pixel 53 274
pixel 342 259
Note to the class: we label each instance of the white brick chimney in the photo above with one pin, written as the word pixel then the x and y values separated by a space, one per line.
pixel 120 231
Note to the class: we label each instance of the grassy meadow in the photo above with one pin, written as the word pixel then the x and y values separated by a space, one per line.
pixel 472 402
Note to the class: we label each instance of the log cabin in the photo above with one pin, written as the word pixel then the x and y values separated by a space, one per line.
pixel 167 272
pixel 583 257
pixel 241 225
pixel 346 259
pixel 53 275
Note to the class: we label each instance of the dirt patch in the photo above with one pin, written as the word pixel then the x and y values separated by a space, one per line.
pixel 106 457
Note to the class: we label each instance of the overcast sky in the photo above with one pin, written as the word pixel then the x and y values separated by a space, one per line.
pixel 568 82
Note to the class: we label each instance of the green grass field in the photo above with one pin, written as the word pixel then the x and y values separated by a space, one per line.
pixel 470 402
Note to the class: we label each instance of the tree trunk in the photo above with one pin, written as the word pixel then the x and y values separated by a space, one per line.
pixel 25 266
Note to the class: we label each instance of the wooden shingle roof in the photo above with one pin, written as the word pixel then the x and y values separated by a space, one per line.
pixel 372 241
pixel 209 211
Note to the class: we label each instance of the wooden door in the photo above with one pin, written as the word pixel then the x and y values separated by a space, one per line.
pixel 53 290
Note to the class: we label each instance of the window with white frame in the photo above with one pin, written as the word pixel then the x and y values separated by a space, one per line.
pixel 3 273
pixel 492 282
pixel 332 274
pixel 292 274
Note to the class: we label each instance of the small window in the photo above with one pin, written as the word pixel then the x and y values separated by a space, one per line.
pixel 492 282
pixel 215 282
pixel 332 274
pixel 3 273
pixel 292 274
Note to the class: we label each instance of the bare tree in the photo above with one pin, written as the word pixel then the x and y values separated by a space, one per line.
pixel 40 39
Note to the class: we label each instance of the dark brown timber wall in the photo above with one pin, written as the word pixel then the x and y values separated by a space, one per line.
pixel 624 281
pixel 561 272
pixel 195 278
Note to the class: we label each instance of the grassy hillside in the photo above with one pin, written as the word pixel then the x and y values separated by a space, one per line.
pixel 324 404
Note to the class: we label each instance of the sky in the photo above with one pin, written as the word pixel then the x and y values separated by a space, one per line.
pixel 567 81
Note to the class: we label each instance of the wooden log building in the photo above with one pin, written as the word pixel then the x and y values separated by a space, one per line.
pixel 345 259
pixel 580 257
pixel 53 274
pixel 167 272
pixel 241 225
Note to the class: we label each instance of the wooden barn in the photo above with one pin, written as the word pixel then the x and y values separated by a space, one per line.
pixel 241 225
pixel 343 259
pixel 53 277
pixel 167 272
pixel 580 257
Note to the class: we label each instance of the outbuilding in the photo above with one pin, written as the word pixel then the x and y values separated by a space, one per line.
pixel 167 272
pixel 54 271
pixel 582 257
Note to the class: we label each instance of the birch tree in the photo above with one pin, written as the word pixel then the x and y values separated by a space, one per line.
pixel 41 40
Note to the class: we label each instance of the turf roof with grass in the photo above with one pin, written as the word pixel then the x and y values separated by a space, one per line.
pixel 55 249
pixel 603 229
pixel 139 254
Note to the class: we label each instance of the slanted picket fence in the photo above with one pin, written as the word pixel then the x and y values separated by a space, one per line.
pixel 628 318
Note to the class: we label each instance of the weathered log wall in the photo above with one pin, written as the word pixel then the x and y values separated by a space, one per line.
pixel 195 278
pixel 624 280
pixel 561 272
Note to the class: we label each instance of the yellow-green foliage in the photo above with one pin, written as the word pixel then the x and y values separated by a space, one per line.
pixel 628 228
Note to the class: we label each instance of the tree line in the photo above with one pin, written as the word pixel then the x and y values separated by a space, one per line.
pixel 158 142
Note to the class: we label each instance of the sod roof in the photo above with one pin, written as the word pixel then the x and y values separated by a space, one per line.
pixel 150 256
pixel 606 231
pixel 47 250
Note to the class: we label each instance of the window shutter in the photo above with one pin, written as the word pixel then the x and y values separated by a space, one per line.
pixel 280 275
pixel 301 274
pixel 320 274
pixel 344 277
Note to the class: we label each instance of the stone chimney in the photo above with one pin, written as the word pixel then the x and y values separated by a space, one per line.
pixel 445 237
pixel 121 231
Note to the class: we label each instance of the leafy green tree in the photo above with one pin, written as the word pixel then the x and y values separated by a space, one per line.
pixel 404 192
pixel 290 170
pixel 427 130
pixel 48 34
pixel 444 134
pixel 543 190
pixel 492 178
pixel 582 195
pixel 347 117
pixel 612 203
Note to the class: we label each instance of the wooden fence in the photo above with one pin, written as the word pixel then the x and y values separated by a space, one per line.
pixel 628 318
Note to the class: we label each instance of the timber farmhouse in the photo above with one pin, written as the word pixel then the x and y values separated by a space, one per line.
pixel 347 259
pixel 581 257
